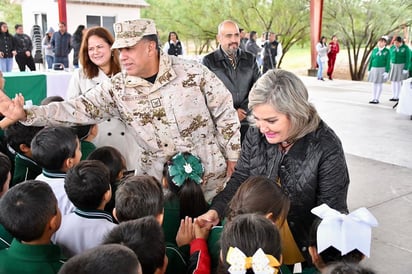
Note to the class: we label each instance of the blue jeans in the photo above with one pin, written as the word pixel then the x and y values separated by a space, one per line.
pixel 49 61
pixel 320 67
pixel 6 64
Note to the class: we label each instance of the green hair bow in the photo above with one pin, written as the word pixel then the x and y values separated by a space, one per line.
pixel 183 168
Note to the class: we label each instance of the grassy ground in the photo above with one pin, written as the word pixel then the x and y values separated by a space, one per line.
pixel 297 59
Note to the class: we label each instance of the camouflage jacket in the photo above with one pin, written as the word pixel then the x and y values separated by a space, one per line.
pixel 186 109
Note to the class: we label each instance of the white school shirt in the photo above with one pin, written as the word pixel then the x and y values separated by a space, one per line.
pixel 82 230
pixel 56 182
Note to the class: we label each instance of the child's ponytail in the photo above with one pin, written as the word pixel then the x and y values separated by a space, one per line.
pixel 184 173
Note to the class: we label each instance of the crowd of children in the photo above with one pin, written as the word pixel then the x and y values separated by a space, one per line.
pixel 91 216
pixel 73 208
pixel 393 64
pixel 76 206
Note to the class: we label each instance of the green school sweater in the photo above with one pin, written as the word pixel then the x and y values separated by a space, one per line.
pixel 24 259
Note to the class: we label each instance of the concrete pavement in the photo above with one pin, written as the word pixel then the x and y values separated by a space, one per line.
pixel 378 146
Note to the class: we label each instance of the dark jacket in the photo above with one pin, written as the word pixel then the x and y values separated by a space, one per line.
pixel 175 49
pixel 76 42
pixel 61 44
pixel 269 56
pixel 7 44
pixel 252 47
pixel 237 80
pixel 313 172
pixel 23 43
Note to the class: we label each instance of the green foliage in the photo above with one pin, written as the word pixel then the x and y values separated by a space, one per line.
pixel 193 20
pixel 359 24
pixel 10 13
pixel 197 20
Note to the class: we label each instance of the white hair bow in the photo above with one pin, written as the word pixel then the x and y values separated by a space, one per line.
pixel 344 232
pixel 259 262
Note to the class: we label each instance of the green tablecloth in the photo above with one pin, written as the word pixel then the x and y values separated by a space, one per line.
pixel 32 85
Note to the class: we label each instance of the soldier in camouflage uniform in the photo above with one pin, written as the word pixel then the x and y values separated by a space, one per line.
pixel 170 104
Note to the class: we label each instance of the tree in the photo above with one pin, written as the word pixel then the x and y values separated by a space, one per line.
pixel 198 19
pixel 193 20
pixel 10 13
pixel 361 23
pixel 288 19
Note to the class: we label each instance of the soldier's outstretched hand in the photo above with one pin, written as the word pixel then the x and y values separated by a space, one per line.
pixel 12 108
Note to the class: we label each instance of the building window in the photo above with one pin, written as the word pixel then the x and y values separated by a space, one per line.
pixel 102 21
pixel 41 20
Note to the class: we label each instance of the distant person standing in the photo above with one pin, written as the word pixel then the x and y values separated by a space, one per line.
pixel 237 69
pixel 252 47
pixel 173 46
pixel 61 43
pixel 400 62
pixel 379 66
pixel 333 51
pixel 48 50
pixel 76 43
pixel 322 50
pixel 24 47
pixel 243 39
pixel 7 48
pixel 272 51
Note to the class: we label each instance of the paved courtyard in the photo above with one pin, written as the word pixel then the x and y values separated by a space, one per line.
pixel 378 146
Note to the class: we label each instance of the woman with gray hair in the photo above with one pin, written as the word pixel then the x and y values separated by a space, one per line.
pixel 291 145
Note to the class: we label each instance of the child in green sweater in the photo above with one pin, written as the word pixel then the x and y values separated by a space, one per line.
pixel 379 67
pixel 29 212
pixel 5 177
pixel 19 138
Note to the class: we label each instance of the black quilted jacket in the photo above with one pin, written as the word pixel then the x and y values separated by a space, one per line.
pixel 238 81
pixel 313 172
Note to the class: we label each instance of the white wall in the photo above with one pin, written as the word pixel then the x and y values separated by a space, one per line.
pixel 76 13
pixel 48 7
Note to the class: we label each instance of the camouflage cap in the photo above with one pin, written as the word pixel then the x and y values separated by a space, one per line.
pixel 128 33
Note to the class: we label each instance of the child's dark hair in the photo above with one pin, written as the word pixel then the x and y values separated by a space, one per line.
pixel 18 134
pixel 398 39
pixel 347 268
pixel 52 146
pixel 258 194
pixel 111 158
pixel 116 163
pixel 145 237
pixel 26 209
pixel 331 254
pixel 249 232
pixel 86 183
pixel 137 197
pixel 82 132
pixel 5 169
pixel 103 259
pixel 186 185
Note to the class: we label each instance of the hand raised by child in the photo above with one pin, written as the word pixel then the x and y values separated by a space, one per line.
pixel 12 109
pixel 185 234
pixel 201 232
